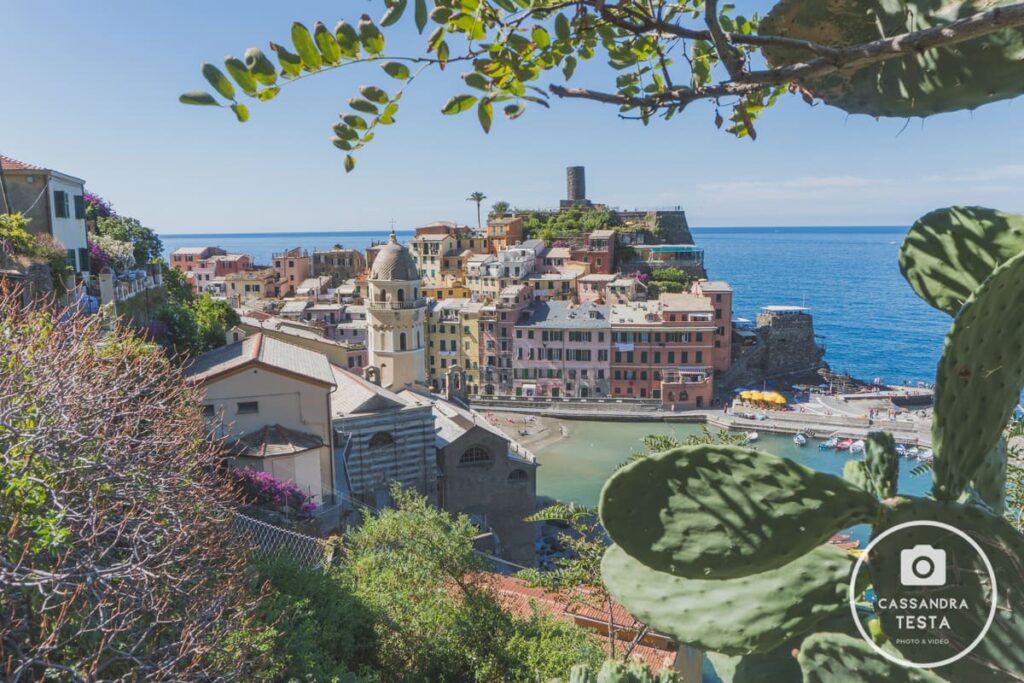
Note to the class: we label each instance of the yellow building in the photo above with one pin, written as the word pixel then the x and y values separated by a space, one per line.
pixel 453 289
pixel 250 284
pixel 453 341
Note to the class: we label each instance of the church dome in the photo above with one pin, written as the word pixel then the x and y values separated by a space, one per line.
pixel 394 262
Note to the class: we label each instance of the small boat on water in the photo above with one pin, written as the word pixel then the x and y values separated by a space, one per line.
pixel 913 452
pixel 901 450
pixel 926 455
pixel 800 440
pixel 857 446
pixel 828 444
pixel 844 444
pixel 752 437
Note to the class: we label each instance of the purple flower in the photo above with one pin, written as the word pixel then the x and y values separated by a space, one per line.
pixel 100 206
pixel 263 488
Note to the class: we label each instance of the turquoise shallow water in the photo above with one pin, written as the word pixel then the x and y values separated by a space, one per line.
pixel 575 468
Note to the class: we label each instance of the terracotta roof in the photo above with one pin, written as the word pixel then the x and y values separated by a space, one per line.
pixel 272 440
pixel 518 598
pixel 9 164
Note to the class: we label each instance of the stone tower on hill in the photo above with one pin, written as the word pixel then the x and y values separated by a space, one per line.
pixel 395 312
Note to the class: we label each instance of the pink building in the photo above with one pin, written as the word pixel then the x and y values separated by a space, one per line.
pixel 562 350
pixel 208 273
pixel 720 295
pixel 597 251
pixel 665 349
pixel 292 268
pixel 497 330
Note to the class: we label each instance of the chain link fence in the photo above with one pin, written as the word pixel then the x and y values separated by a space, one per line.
pixel 268 540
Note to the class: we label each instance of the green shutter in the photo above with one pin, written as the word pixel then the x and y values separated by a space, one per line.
pixel 79 206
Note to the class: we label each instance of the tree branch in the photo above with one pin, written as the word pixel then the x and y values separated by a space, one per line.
pixel 727 51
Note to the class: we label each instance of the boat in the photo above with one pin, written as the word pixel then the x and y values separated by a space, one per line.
pixel 913 452
pixel 830 443
pixel 799 439
pixel 901 450
pixel 752 437
pixel 857 446
pixel 926 455
pixel 844 444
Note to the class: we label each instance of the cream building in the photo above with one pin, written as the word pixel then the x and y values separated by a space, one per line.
pixel 395 313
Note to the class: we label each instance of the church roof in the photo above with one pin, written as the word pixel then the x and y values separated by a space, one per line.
pixel 271 440
pixel 357 396
pixel 394 262
pixel 259 349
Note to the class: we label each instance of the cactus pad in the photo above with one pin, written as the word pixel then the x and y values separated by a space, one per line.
pixel 979 378
pixel 989 483
pixel 838 658
pixel 855 472
pixel 718 512
pixel 963 76
pixel 948 253
pixel 1001 652
pixel 746 615
pixel 881 464
pixel 777 666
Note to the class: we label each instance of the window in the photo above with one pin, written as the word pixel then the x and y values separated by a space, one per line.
pixel 60 204
pixel 700 357
pixel 79 206
pixel 518 475
pixel 401 342
pixel 475 455
pixel 381 439
pixel 208 410
pixel 248 407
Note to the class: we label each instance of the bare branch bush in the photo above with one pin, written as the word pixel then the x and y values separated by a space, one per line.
pixel 115 557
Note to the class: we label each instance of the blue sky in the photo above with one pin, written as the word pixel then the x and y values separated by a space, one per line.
pixel 91 89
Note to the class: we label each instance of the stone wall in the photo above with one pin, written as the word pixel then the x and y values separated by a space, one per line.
pixel 786 351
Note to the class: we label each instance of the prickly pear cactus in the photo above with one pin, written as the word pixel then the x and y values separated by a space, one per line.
pixel 838 658
pixel 948 253
pixel 979 378
pixel 964 76
pixel 1000 654
pixel 754 613
pixel 717 512
pixel 618 672
pixel 882 463
pixel 989 484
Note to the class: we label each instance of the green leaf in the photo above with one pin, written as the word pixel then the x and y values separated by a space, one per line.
pixel 362 105
pixel 344 132
pixel 394 13
pixel 948 253
pixel 396 70
pixel 291 63
pixel 370 36
pixel 421 15
pixel 569 67
pixel 241 112
pixel 342 144
pixel 350 163
pixel 485 113
pixel 979 378
pixel 374 94
pixel 304 45
pixel 720 512
pixel 261 68
pixel 236 67
pixel 326 43
pixel 562 29
pixel 355 121
pixel 199 97
pixel 458 104
pixel 540 37
pixel 739 616
pixel 348 39
pixel 514 111
pixel 219 81
pixel 475 80
pixel 268 94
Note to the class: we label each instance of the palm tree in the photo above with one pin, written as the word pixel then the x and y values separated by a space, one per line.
pixel 477 197
pixel 499 209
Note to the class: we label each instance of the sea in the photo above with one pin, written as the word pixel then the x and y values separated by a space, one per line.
pixel 871 322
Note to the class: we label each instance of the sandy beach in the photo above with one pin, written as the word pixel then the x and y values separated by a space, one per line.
pixel 534 432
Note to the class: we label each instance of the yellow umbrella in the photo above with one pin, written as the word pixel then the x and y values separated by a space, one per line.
pixel 745 394
pixel 756 396
pixel 779 398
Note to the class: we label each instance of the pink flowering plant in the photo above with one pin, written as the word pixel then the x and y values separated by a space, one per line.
pixel 97 207
pixel 263 488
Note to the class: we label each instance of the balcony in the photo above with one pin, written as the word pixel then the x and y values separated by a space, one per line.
pixel 396 305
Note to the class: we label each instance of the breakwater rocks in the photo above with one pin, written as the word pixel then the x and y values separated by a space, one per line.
pixel 782 348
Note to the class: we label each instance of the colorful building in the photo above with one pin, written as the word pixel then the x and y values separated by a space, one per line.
pixel 562 350
pixel 504 232
pixel 338 263
pixel 292 268
pixel 186 259
pixel 665 350
pixel 497 336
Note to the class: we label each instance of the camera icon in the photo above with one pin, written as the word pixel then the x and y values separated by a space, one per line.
pixel 923 565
